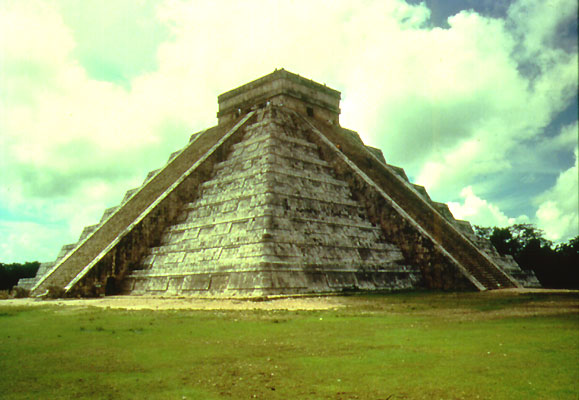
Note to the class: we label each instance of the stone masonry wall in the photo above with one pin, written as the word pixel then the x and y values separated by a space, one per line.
pixel 272 220
pixel 96 248
pixel 435 260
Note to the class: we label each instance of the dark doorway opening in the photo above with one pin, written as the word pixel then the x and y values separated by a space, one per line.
pixel 111 286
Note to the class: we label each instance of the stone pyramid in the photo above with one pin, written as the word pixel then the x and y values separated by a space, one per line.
pixel 277 199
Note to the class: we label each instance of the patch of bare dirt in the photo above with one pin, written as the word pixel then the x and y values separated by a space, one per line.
pixel 466 312
pixel 160 303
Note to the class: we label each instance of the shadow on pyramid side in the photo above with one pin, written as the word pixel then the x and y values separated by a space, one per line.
pixel 277 199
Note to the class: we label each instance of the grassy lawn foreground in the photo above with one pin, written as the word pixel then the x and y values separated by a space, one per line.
pixel 391 346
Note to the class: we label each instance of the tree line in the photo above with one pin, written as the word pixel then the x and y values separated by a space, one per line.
pixel 556 266
pixel 11 273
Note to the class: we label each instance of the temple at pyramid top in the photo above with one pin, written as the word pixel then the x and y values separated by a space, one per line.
pixel 281 88
pixel 276 199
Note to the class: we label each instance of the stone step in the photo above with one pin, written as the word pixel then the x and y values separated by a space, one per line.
pixel 128 194
pixel 266 282
pixel 286 197
pixel 275 217
pixel 108 212
pixel 155 171
pixel 281 241
pixel 260 263
pixel 87 231
pixel 398 171
pixel 247 177
pixel 422 191
pixel 276 135
pixel 258 162
pixel 244 256
pixel 282 143
pixel 67 248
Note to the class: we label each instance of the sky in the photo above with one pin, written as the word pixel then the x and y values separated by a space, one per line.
pixel 476 99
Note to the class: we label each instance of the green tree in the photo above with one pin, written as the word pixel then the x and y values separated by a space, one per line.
pixel 11 273
pixel 555 267
pixel 568 259
pixel 504 241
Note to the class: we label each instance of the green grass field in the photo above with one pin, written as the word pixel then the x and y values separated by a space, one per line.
pixel 390 346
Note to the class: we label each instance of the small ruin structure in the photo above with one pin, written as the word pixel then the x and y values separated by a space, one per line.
pixel 276 199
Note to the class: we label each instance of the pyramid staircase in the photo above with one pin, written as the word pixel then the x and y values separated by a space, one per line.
pixel 277 199
pixel 272 219
pixel 124 236
pixel 404 203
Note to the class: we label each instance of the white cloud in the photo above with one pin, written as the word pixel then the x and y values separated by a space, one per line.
pixel 461 162
pixel 70 146
pixel 28 241
pixel 496 109
pixel 558 212
pixel 480 212
pixel 566 139
pixel 536 24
